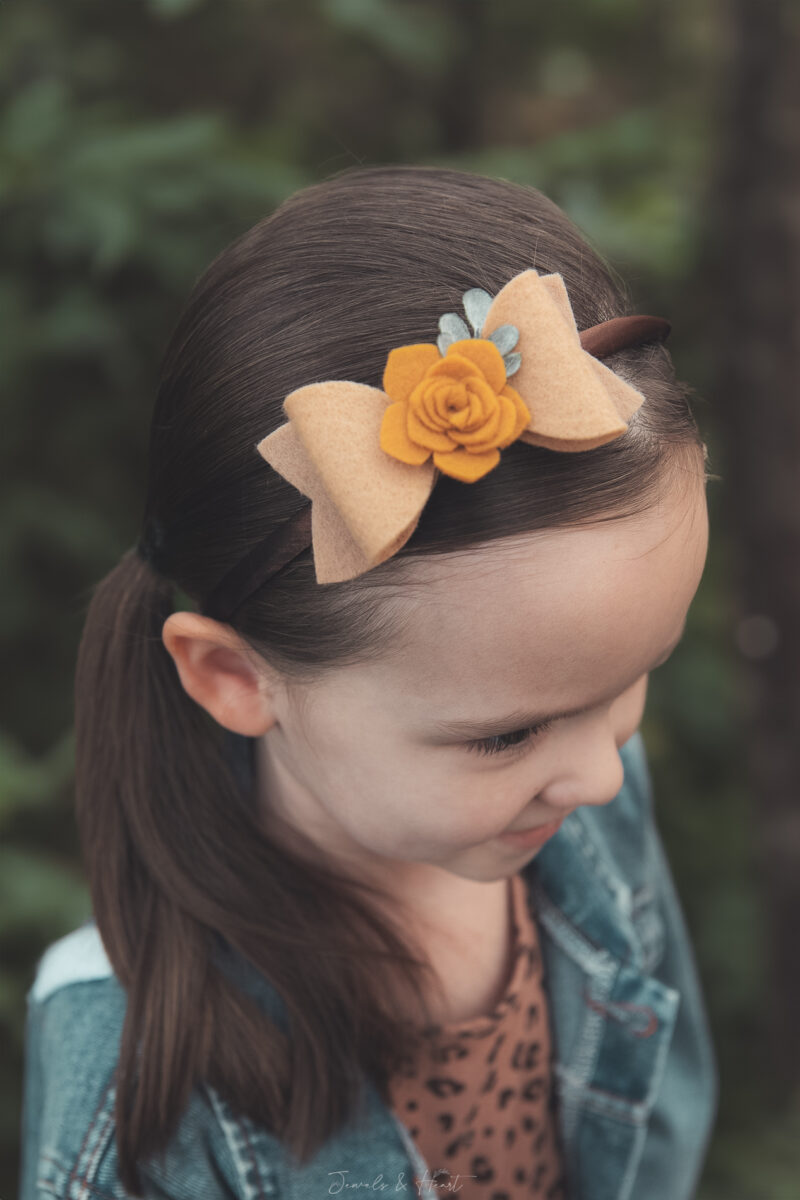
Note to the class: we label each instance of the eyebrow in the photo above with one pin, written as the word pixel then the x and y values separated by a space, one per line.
pixel 522 720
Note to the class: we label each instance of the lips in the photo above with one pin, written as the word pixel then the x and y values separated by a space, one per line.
pixel 544 825
pixel 530 828
pixel 535 835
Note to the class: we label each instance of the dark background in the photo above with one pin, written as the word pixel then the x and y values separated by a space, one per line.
pixel 138 139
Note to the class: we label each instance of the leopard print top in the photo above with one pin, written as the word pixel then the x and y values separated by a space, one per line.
pixel 477 1098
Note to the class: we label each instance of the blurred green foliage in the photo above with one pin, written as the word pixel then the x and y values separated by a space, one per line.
pixel 136 141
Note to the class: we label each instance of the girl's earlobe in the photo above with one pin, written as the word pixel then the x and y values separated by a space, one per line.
pixel 217 671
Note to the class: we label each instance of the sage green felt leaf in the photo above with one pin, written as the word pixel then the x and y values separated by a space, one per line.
pixel 453 327
pixel 476 305
pixel 505 337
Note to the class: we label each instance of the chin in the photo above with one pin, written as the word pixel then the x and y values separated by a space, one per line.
pixel 492 868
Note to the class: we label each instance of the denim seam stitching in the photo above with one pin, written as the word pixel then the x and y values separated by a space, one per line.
pixel 415 1155
pixel 659 1068
pixel 252 1157
pixel 105 1124
pixel 44 1183
pixel 576 1079
pixel 593 960
pixel 231 1130
pixel 91 1131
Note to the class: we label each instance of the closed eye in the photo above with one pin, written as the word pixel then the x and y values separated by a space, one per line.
pixel 503 743
pixel 500 743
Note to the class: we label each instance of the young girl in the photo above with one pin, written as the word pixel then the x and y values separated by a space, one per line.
pixel 379 900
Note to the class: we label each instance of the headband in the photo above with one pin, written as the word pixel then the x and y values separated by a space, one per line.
pixel 367 458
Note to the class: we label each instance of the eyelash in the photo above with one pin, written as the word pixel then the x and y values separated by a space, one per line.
pixel 501 743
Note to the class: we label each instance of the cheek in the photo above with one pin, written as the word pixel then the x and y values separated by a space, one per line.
pixel 424 816
pixel 381 796
pixel 474 807
pixel 416 802
pixel 629 710
pixel 637 701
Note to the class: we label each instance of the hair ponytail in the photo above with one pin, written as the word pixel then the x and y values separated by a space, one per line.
pixel 132 720
pixel 136 732
pixel 151 773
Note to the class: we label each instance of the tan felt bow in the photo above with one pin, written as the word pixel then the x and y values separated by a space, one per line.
pixel 368 457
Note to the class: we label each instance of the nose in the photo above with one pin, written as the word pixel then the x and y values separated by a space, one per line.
pixel 592 774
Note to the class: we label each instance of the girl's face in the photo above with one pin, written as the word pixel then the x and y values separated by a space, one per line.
pixel 377 765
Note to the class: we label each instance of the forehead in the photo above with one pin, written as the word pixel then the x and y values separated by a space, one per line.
pixel 542 616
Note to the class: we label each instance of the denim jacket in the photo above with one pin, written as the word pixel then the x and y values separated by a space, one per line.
pixel 634 1067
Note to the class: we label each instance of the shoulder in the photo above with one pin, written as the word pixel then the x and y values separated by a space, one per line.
pixel 78 957
pixel 75 1019
pixel 76 1011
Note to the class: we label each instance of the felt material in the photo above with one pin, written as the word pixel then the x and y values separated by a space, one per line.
pixel 457 408
pixel 365 505
pixel 576 402
pixel 368 458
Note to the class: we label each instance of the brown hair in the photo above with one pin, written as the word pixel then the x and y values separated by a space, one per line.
pixel 175 854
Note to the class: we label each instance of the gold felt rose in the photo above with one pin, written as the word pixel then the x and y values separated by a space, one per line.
pixel 457 407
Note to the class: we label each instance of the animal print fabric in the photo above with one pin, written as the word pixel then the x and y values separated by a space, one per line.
pixel 477 1098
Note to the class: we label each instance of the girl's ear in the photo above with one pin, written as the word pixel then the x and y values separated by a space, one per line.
pixel 217 671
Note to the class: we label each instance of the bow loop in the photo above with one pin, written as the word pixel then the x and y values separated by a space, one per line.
pixel 572 406
pixel 365 505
